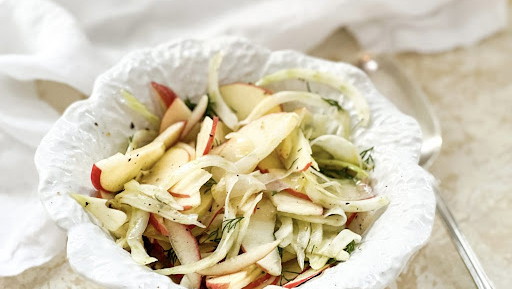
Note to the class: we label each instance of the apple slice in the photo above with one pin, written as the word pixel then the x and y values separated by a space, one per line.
pixel 263 279
pixel 188 148
pixel 165 94
pixel 361 221
pixel 241 261
pixel 171 160
pixel 188 202
pixel 305 276
pixel 104 195
pixel 300 158
pixel 263 282
pixel 111 219
pixel 190 184
pixel 112 173
pixel 202 209
pixel 206 136
pixel 178 111
pixel 271 161
pixel 196 115
pixel 253 142
pixel 158 222
pixel 261 231
pixel 171 134
pixel 297 194
pixel 187 250
pixel 287 203
pixel 285 148
pixel 236 280
pixel 243 97
pixel 220 134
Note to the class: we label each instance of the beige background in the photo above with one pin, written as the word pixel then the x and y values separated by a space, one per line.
pixel 471 91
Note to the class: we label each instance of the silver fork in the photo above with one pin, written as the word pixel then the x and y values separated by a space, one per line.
pixel 420 108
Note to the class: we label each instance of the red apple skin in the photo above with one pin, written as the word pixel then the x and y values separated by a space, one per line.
pixel 158 226
pixel 176 195
pixel 212 136
pixel 296 283
pixel 96 178
pixel 306 167
pixel 178 111
pixel 166 94
pixel 258 281
pixel 297 194
pixel 217 286
pixel 350 219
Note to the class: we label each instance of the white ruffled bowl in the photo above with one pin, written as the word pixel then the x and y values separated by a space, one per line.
pixel 98 127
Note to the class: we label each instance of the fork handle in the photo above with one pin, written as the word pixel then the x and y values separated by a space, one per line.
pixel 465 251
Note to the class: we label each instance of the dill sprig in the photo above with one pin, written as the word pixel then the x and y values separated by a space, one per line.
pixel 230 224
pixel 343 173
pixel 367 158
pixel 190 104
pixel 280 251
pixel 227 226
pixel 210 109
pixel 210 183
pixel 333 102
pixel 171 255
pixel 214 236
pixel 350 247
pixel 287 279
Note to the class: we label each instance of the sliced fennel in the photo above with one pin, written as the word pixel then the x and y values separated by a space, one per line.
pixel 344 86
pixel 138 223
pixel 151 205
pixel 340 148
pixel 140 108
pixel 155 192
pixel 268 103
pixel 111 219
pixel 219 105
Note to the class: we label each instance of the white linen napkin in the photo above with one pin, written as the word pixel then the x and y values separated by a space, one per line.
pixel 74 41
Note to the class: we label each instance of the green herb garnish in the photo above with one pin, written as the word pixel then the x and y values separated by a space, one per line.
pixel 171 255
pixel 333 102
pixel 210 109
pixel 230 224
pixel 367 158
pixel 190 104
pixel 350 247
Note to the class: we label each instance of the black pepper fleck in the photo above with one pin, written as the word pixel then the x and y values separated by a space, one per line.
pixel 132 126
pixel 86 204
pixel 96 124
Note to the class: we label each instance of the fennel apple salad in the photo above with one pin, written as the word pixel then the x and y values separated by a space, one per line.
pixel 246 188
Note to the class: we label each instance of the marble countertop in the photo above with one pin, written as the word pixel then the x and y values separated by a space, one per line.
pixel 471 92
